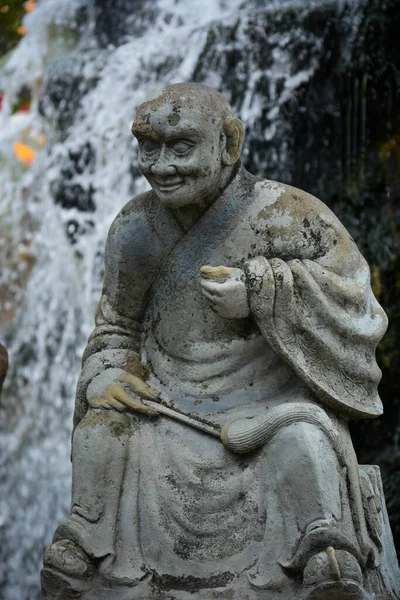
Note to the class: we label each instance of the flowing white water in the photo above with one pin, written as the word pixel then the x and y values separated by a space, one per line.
pixel 49 286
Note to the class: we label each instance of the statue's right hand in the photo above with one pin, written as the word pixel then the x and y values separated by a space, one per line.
pixel 111 389
pixel 117 398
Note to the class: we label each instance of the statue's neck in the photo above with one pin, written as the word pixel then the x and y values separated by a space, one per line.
pixel 187 216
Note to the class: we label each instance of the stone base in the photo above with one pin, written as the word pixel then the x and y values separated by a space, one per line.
pixel 384 582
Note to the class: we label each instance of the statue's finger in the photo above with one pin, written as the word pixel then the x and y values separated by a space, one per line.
pixel 211 297
pixel 99 403
pixel 136 405
pixel 114 403
pixel 208 294
pixel 216 272
pixel 211 286
pixel 139 386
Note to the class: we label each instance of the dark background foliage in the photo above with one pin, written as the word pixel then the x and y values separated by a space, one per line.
pixel 11 13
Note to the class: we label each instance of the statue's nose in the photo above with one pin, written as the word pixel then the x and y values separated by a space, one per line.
pixel 162 167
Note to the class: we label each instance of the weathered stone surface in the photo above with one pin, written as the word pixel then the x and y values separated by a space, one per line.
pixel 235 338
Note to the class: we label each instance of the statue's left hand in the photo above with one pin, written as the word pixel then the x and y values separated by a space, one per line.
pixel 225 290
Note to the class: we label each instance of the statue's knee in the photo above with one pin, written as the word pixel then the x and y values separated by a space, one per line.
pixel 298 434
pixel 303 444
pixel 304 460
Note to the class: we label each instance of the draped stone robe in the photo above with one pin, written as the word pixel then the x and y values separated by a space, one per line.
pixel 156 496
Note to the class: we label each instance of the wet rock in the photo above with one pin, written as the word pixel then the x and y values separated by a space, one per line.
pixel 75 229
pixel 64 85
pixel 116 20
pixel 66 190
pixel 73 195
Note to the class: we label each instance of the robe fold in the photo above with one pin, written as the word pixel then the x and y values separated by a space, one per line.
pixel 310 338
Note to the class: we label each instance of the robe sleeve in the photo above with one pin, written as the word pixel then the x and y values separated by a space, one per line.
pixel 113 347
pixel 321 317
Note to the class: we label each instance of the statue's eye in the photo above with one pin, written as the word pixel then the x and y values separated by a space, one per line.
pixel 149 146
pixel 181 146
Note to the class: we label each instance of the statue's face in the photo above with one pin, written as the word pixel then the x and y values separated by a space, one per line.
pixel 180 154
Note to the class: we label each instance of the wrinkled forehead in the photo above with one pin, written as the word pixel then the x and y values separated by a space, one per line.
pixel 157 120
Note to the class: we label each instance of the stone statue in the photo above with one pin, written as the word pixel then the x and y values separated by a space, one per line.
pixel 235 338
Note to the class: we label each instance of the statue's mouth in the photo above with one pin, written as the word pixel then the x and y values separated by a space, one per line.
pixel 169 185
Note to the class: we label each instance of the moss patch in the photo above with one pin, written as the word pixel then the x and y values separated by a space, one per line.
pixel 118 424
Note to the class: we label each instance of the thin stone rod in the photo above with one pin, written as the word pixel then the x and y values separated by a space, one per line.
pixel 173 414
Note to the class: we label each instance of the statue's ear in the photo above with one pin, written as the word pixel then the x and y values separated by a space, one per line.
pixel 234 131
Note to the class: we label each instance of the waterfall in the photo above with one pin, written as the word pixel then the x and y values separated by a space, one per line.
pixel 87 67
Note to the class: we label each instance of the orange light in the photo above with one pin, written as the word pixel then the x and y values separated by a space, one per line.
pixel 30 6
pixel 24 153
pixel 4 9
pixel 22 30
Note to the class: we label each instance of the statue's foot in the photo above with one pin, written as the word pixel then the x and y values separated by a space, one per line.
pixel 333 575
pixel 66 570
pixel 69 558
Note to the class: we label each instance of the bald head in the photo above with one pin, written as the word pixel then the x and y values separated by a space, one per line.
pixel 194 97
